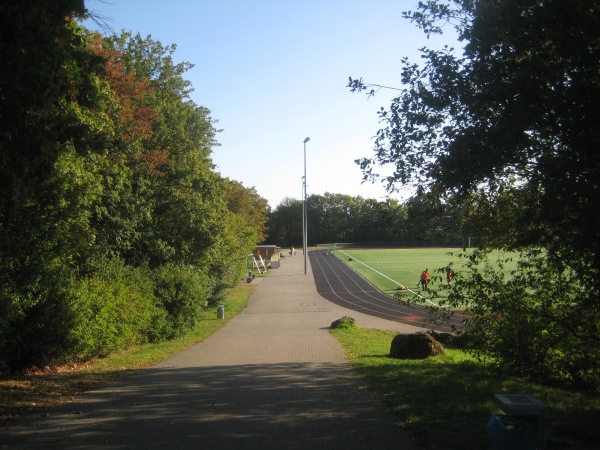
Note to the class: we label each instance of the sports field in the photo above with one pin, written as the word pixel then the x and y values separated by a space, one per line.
pixel 388 269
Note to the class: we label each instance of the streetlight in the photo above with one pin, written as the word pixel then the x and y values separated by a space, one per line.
pixel 304 210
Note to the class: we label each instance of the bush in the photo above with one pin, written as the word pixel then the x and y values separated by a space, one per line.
pixel 34 319
pixel 56 319
pixel 540 322
pixel 108 316
pixel 182 291
pixel 343 323
pixel 141 279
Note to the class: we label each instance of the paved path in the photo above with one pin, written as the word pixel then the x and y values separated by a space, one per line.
pixel 272 378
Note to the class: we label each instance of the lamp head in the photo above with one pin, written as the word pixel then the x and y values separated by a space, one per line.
pixel 306 140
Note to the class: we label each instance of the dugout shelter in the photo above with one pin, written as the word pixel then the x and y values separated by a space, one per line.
pixel 269 253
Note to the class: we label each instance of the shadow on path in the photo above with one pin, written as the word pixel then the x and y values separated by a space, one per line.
pixel 273 406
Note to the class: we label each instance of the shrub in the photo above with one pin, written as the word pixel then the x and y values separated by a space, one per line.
pixel 34 318
pixel 344 322
pixel 108 316
pixel 142 280
pixel 540 322
pixel 182 291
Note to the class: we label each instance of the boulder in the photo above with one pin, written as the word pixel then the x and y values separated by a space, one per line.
pixel 415 346
pixel 441 337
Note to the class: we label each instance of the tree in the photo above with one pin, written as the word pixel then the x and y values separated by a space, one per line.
pixel 394 221
pixel 183 210
pixel 518 108
pixel 511 125
pixel 341 218
pixel 433 220
pixel 251 207
pixel 285 223
pixel 245 226
pixel 333 214
pixel 114 227
pixel 49 93
pixel 372 221
pixel 185 230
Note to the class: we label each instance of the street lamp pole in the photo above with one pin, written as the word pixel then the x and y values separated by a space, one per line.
pixel 304 210
pixel 303 217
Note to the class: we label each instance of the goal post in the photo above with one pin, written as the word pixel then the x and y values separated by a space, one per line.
pixel 329 248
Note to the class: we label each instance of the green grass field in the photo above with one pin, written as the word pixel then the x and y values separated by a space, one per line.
pixel 444 402
pixel 389 268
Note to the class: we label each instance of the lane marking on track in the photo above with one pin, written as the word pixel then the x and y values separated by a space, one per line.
pixel 363 303
pixel 369 307
pixel 385 276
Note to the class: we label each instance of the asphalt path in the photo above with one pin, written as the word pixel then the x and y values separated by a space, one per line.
pixel 339 284
pixel 272 378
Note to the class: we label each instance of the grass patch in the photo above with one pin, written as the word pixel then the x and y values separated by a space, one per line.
pixel 41 388
pixel 446 401
pixel 387 268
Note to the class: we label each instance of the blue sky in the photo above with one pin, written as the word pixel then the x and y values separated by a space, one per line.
pixel 273 72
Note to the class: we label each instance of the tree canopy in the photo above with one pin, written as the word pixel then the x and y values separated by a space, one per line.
pixel 508 124
pixel 115 228
pixel 422 220
pixel 516 111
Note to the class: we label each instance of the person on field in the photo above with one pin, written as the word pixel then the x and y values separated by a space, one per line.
pixel 425 276
pixel 449 277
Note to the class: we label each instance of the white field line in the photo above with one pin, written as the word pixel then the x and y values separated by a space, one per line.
pixel 385 276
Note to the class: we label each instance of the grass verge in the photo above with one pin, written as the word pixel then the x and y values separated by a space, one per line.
pixel 37 389
pixel 445 402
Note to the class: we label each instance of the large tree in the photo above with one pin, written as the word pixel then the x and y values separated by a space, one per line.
pixel 48 96
pixel 519 108
pixel 285 223
pixel 114 227
pixel 510 123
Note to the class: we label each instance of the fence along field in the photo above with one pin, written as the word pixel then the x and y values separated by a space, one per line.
pixel 390 268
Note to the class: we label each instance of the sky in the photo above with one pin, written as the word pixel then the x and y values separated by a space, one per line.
pixel 274 72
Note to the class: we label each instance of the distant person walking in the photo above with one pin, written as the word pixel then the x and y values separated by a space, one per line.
pixel 449 277
pixel 424 281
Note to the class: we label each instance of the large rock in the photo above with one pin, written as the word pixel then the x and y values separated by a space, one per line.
pixel 415 346
pixel 442 338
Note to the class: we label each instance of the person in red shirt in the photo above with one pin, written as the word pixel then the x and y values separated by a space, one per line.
pixel 425 276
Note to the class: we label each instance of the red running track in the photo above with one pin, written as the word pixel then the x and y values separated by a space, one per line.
pixel 339 284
